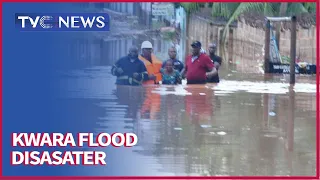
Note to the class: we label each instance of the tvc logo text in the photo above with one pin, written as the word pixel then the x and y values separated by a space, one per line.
pixel 64 22
pixel 36 21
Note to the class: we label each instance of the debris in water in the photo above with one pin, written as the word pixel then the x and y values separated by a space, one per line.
pixel 178 129
pixel 272 114
pixel 221 133
pixel 270 135
pixel 206 126
pixel 184 82
pixel 246 129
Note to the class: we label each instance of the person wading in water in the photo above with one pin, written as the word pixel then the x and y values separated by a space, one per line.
pixel 198 66
pixel 177 65
pixel 151 62
pixel 217 60
pixel 169 74
pixel 130 70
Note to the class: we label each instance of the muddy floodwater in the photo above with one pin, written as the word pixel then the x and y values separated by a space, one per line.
pixel 248 124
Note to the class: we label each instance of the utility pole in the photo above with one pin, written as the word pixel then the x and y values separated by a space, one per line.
pixel 293 43
pixel 267 48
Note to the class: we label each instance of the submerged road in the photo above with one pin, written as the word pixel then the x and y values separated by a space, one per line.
pixel 246 125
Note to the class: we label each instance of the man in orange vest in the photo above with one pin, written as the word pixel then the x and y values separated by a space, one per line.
pixel 151 62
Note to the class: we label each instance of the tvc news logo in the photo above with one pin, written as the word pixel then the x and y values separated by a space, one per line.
pixel 63 22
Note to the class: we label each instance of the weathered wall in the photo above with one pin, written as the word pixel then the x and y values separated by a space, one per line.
pixel 202 30
pixel 306 41
pixel 306 44
pixel 246 43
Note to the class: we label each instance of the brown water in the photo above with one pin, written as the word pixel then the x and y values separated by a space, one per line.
pixel 248 124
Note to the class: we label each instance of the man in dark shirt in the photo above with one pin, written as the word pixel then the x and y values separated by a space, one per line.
pixel 217 60
pixel 177 65
pixel 130 70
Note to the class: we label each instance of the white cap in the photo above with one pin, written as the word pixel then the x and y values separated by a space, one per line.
pixel 146 44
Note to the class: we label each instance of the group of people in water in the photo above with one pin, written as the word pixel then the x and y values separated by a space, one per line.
pixel 145 68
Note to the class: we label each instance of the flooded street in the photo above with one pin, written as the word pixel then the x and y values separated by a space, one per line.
pixel 61 102
pixel 248 124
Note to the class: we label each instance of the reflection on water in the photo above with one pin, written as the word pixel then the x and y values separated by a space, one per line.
pixel 253 127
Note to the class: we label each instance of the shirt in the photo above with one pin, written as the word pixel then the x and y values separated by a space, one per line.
pixel 196 70
pixel 218 59
pixel 129 67
pixel 170 78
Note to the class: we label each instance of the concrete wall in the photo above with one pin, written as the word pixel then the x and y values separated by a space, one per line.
pixel 206 32
pixel 306 44
pixel 306 41
pixel 200 29
pixel 246 43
